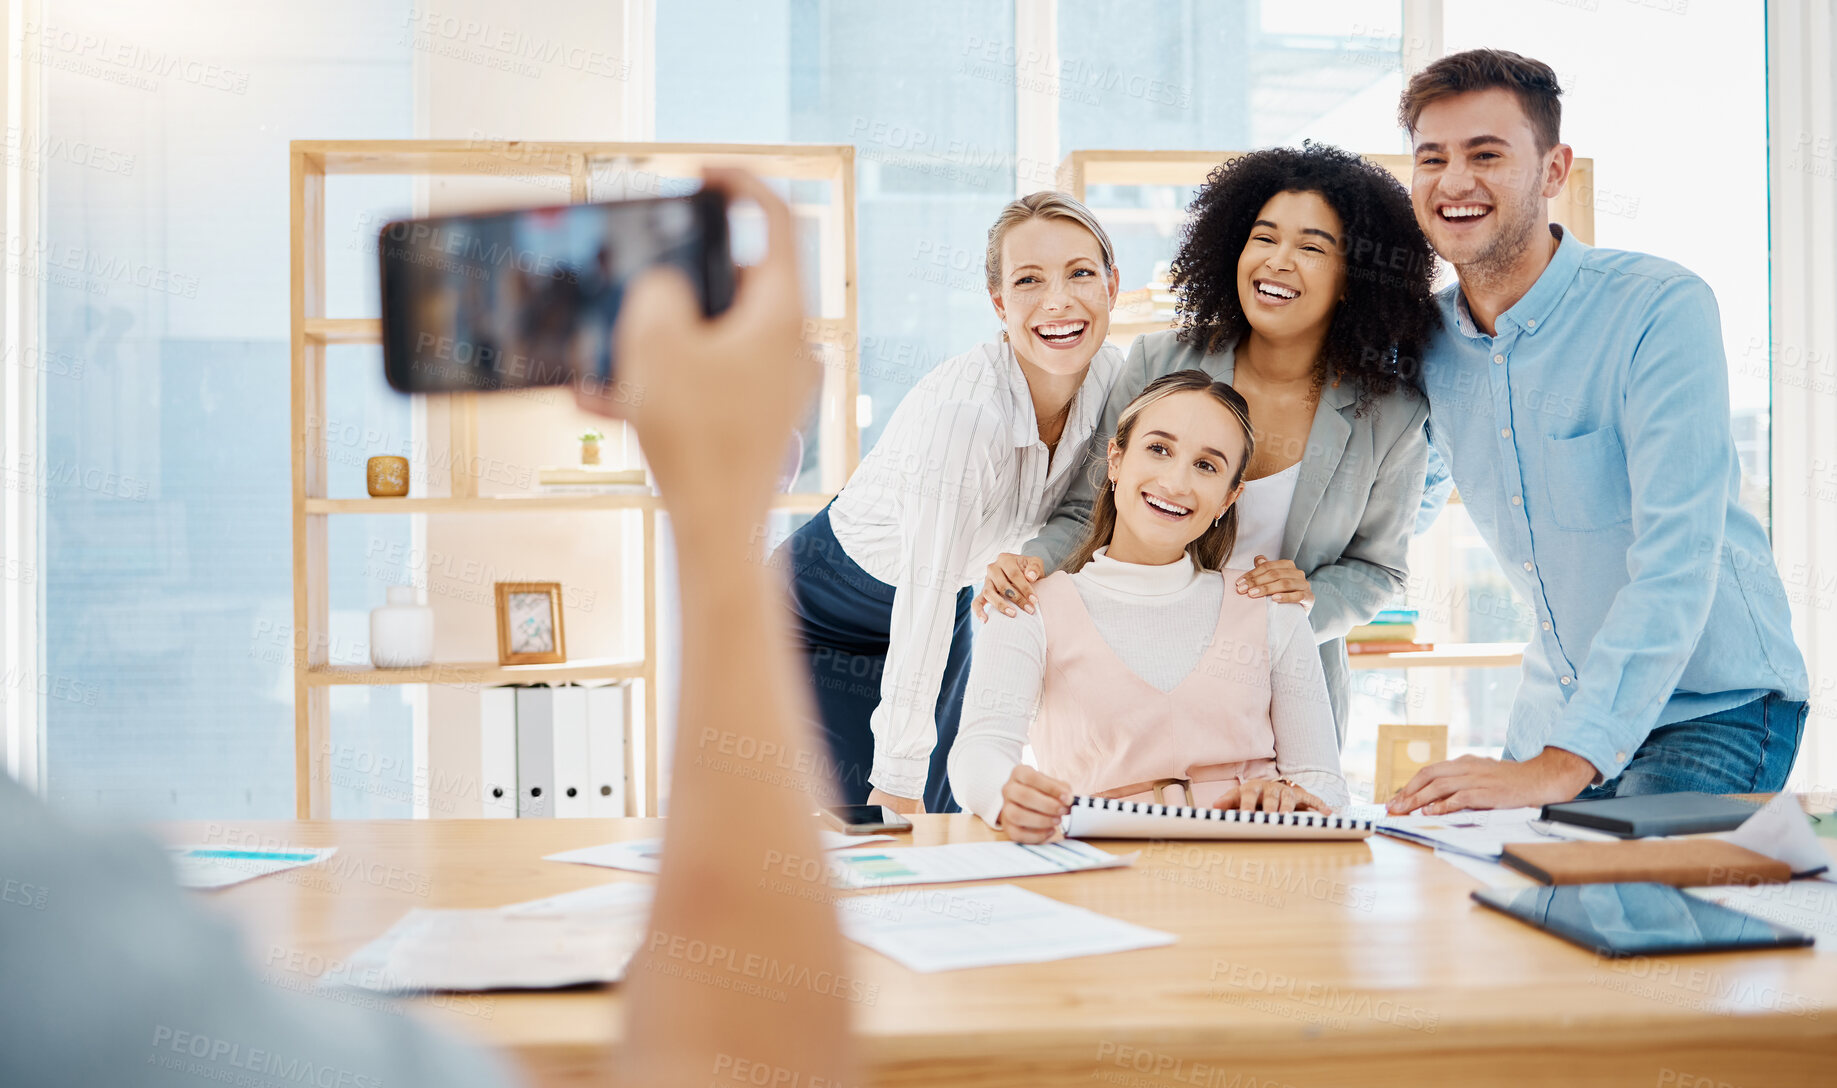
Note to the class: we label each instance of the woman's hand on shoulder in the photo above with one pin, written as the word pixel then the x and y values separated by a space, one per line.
pixel 1270 795
pixel 1009 584
pixel 1278 579
pixel 1031 804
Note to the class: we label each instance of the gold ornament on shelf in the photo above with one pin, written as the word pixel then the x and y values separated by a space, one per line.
pixel 386 477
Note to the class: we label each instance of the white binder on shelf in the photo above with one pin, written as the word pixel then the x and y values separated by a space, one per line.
pixel 570 718
pixel 497 752
pixel 606 747
pixel 535 751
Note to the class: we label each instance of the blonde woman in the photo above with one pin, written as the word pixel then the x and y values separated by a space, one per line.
pixel 972 463
pixel 1141 673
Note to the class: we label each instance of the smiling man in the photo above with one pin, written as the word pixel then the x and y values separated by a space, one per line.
pixel 1579 397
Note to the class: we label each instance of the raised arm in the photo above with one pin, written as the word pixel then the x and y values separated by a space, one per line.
pixel 741 897
pixel 1373 569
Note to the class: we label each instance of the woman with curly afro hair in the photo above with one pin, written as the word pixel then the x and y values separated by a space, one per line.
pixel 1304 282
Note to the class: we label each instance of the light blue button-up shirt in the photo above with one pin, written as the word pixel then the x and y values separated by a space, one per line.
pixel 1590 442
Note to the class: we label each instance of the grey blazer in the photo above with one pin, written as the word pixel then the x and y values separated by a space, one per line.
pixel 1355 503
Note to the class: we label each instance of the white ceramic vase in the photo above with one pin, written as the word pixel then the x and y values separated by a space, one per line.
pixel 402 631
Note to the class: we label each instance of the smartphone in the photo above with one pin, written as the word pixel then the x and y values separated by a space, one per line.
pixel 507 300
pixel 865 819
pixel 1638 919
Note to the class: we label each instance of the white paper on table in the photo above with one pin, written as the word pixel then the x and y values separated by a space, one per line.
pixel 951 929
pixel 634 855
pixel 646 855
pixel 1484 834
pixel 966 861
pixel 1782 831
pixel 1490 874
pixel 623 897
pixel 471 950
pixel 221 866
pixel 1806 905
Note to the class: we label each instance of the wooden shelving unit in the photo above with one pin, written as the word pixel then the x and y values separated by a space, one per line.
pixel 312 161
pixel 530 504
pixel 478 673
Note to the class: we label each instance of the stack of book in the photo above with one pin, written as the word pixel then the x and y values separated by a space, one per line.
pixel 1146 309
pixel 591 479
pixel 1392 631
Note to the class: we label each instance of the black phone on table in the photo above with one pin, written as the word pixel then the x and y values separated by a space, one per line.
pixel 1638 919
pixel 508 300
pixel 865 819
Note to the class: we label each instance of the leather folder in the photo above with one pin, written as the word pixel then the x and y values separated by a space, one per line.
pixel 1650 814
pixel 1680 863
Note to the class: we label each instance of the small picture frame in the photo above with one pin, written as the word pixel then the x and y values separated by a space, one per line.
pixel 1402 751
pixel 529 624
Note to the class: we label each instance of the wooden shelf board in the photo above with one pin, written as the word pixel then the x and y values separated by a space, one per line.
pixel 532 504
pixel 1452 655
pixel 828 331
pixel 1574 207
pixel 476 673
pixel 485 504
pixel 1133 329
pixel 345 330
pixel 535 158
pixel 1121 167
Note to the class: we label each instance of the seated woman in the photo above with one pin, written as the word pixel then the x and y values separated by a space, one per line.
pixel 1141 674
pixel 1304 282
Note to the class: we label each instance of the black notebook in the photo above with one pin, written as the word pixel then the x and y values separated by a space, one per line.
pixel 1651 814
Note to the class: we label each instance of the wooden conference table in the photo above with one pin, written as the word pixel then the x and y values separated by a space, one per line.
pixel 1301 965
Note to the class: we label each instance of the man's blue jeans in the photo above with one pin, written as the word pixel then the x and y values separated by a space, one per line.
pixel 1747 749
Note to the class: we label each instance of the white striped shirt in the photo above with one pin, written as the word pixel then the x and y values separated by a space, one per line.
pixel 958 477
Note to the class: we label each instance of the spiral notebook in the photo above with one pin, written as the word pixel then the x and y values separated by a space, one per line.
pixel 1106 818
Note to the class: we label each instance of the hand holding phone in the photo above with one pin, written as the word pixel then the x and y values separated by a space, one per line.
pixel 508 300
pixel 679 365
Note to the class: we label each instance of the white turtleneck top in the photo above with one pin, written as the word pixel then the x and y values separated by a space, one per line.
pixel 1158 620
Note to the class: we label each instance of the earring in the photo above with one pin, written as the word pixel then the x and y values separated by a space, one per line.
pixel 1219 518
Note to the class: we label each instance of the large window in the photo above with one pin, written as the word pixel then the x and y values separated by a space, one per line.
pixel 1217 77
pixel 934 138
pixel 167 570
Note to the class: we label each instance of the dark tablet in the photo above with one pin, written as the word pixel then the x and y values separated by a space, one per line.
pixel 1638 919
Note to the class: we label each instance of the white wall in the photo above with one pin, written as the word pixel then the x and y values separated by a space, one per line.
pixel 1802 122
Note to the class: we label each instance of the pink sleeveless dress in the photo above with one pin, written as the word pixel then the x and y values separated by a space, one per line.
pixel 1109 733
